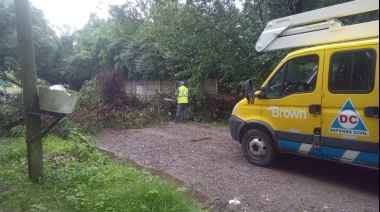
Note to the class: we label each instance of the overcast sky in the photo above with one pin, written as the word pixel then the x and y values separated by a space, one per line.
pixel 74 13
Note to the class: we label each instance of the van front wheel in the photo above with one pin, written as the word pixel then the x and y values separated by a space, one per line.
pixel 258 148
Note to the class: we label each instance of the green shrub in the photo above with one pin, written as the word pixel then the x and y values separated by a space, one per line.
pixel 63 128
pixel 198 98
pixel 17 131
pixel 11 113
pixel 92 114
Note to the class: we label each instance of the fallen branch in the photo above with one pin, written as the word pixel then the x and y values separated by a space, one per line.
pixel 200 139
pixel 4 77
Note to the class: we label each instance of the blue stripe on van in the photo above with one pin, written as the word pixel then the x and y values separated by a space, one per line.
pixel 363 158
pixel 368 159
pixel 294 146
pixel 360 158
pixel 289 145
pixel 332 153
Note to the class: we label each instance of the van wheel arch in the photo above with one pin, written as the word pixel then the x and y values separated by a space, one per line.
pixel 260 126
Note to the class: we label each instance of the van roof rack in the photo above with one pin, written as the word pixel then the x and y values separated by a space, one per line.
pixel 318 27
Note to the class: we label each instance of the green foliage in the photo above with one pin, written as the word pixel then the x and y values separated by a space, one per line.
pixel 12 119
pixel 125 111
pixel 215 40
pixel 45 40
pixel 11 114
pixel 15 151
pixel 89 93
pixel 196 105
pixel 79 178
pixel 85 146
pixel 4 84
pixel 135 119
pixel 224 123
pixel 160 39
pixel 211 108
pixel 154 39
pixel 63 128
pixel 17 131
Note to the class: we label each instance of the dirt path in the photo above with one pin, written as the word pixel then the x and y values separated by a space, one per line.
pixel 208 161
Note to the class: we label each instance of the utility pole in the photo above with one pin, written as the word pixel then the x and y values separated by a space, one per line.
pixel 30 96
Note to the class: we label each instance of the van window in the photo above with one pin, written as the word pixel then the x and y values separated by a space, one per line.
pixel 298 75
pixel 352 72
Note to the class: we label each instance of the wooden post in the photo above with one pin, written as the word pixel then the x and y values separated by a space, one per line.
pixel 29 81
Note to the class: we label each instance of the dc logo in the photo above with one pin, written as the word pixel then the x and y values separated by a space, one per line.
pixel 348 119
pixel 348 122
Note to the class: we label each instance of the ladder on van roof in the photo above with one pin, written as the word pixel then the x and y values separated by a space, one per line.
pixel 318 27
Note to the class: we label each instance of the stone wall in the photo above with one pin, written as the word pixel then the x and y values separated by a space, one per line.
pixel 150 87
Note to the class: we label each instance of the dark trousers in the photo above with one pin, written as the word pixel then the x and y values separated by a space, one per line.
pixel 181 114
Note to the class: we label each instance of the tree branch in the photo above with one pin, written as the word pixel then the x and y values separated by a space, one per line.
pixel 4 77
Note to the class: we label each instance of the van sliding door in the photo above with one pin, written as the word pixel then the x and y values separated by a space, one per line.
pixel 350 105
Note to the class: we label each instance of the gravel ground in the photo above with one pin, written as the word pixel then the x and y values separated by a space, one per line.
pixel 205 160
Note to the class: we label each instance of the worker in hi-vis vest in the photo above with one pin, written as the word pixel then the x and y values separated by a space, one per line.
pixel 182 94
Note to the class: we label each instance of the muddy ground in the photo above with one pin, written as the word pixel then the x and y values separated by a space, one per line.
pixel 205 160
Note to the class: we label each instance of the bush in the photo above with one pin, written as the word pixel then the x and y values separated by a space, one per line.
pixel 63 128
pixel 207 107
pixel 11 114
pixel 96 110
pixel 17 131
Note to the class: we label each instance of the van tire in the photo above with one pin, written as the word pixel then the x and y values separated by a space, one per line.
pixel 258 148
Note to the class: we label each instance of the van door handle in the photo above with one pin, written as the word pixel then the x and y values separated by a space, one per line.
pixel 371 111
pixel 315 109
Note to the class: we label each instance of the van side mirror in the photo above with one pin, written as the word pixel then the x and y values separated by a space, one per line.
pixel 250 92
pixel 264 92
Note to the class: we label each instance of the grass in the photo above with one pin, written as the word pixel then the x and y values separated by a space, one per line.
pixel 77 177
pixel 225 123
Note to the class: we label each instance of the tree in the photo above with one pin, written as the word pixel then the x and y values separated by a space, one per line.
pixel 155 39
pixel 208 39
pixel 8 39
pixel 45 39
pixel 46 44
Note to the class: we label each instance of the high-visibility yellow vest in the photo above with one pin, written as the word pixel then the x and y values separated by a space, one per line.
pixel 183 94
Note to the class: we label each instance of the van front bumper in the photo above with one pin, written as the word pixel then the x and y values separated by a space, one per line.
pixel 235 126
